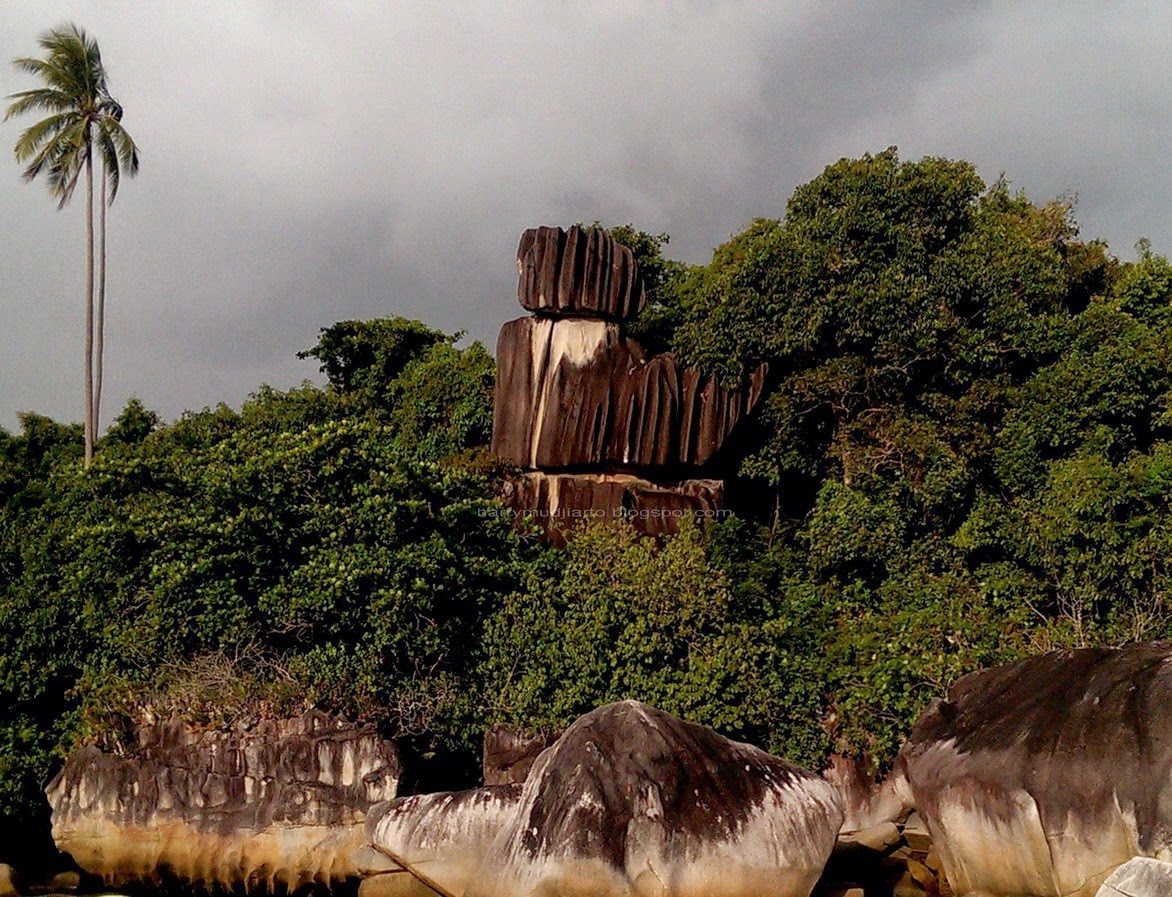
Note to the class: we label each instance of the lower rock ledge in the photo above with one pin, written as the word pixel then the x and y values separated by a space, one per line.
pixel 562 502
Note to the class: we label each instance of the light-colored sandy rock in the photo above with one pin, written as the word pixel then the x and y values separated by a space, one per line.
pixel 1139 877
pixel 281 803
pixel 395 884
pixel 8 886
pixel 443 838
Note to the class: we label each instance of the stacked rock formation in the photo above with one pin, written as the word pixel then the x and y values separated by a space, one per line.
pixel 274 807
pixel 603 428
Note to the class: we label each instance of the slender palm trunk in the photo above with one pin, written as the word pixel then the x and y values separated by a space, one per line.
pixel 99 349
pixel 89 312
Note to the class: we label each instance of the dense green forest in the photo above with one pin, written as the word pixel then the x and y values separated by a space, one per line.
pixel 965 455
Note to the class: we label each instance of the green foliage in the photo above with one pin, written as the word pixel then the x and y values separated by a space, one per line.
pixel 660 317
pixel 134 424
pixel 442 401
pixel 363 358
pixel 626 618
pixel 307 550
pixel 964 456
pixel 965 437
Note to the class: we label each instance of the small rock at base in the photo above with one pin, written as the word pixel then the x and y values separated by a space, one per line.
pixel 1139 877
pixel 8 881
pixel 65 881
pixel 394 884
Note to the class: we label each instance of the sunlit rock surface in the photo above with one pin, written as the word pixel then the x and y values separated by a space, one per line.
pixel 8 881
pixel 629 801
pixel 1040 777
pixel 576 393
pixel 278 805
pixel 443 839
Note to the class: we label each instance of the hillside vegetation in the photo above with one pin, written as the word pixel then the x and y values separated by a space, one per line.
pixel 965 456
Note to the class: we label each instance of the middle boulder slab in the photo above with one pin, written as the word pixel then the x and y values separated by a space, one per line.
pixel 629 802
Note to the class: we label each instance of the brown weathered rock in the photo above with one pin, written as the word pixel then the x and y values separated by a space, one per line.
pixel 577 394
pixel 560 503
pixel 871 806
pixel 395 884
pixel 509 754
pixel 579 272
pixel 629 801
pixel 279 804
pixel 65 882
pixel 8 881
pixel 1042 776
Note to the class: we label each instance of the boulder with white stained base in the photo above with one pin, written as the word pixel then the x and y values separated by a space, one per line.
pixel 1041 777
pixel 629 801
pixel 275 806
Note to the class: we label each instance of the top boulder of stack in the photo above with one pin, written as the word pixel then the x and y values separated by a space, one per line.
pixel 581 272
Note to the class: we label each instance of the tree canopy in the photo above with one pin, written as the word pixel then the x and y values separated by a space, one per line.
pixel 964 456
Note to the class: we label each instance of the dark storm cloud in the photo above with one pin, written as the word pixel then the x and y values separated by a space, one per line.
pixel 307 162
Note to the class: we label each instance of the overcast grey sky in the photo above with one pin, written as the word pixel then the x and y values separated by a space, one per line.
pixel 305 162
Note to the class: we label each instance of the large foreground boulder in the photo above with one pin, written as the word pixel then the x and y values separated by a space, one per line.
pixel 1040 777
pixel 629 801
pixel 274 806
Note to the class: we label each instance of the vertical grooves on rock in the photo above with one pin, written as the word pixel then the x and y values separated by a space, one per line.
pixel 585 405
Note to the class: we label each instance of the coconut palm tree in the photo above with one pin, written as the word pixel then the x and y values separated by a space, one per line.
pixel 83 121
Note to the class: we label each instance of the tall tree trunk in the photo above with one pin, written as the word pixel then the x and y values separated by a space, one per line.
pixel 89 311
pixel 100 348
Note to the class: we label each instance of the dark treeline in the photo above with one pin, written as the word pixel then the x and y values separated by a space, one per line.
pixel 964 457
